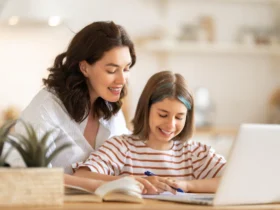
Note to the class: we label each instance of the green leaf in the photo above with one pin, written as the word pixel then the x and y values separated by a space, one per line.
pixel 31 135
pixel 36 151
pixel 4 131
pixel 56 152
pixel 2 159
pixel 44 142
pixel 46 137
pixel 25 155
pixel 33 138
pixel 26 143
pixel 52 143
pixel 40 156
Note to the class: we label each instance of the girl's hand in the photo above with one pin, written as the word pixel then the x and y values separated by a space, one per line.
pixel 146 186
pixel 196 186
pixel 162 184
pixel 175 183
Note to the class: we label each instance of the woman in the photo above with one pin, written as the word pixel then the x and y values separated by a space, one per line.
pixel 81 101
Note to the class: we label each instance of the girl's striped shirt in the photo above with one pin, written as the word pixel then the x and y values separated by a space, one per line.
pixel 128 155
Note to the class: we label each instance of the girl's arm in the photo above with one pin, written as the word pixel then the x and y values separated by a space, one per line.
pixel 202 185
pixel 196 186
pixel 85 172
pixel 208 167
pixel 108 159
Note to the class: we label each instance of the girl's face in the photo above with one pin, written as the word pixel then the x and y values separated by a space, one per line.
pixel 107 76
pixel 166 120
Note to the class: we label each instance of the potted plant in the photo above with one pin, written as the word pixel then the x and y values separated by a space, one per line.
pixel 4 131
pixel 36 184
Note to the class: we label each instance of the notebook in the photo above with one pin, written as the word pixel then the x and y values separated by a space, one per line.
pixel 252 173
pixel 124 190
pixel 195 198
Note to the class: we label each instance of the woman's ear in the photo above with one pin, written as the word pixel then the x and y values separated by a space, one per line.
pixel 83 68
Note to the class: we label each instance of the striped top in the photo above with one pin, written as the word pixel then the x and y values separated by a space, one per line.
pixel 128 155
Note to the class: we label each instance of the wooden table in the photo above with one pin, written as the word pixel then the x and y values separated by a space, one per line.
pixel 149 204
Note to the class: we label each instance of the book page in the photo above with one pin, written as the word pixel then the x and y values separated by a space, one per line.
pixel 124 189
pixel 130 197
pixel 75 190
pixel 122 185
pixel 78 194
pixel 83 198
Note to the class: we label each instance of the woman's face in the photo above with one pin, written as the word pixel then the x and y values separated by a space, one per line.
pixel 107 76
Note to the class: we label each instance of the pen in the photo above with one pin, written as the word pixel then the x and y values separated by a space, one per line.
pixel 148 173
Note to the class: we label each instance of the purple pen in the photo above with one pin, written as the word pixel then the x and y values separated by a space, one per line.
pixel 148 173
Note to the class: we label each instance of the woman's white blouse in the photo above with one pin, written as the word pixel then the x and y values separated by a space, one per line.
pixel 46 112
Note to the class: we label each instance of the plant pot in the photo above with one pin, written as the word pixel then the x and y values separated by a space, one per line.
pixel 31 186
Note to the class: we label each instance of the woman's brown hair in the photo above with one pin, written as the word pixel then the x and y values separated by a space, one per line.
pixel 69 83
pixel 163 85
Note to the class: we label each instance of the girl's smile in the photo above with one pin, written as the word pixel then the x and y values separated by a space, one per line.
pixel 166 120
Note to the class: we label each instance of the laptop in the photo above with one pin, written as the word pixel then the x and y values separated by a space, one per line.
pixel 252 173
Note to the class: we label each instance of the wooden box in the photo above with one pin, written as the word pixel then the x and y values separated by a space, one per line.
pixel 31 186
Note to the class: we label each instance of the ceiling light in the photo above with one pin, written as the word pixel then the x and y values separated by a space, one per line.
pixel 54 20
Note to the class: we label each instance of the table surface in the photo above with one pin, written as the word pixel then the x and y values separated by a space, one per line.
pixel 148 204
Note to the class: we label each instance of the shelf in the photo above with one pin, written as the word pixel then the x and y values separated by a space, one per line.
pixel 222 48
pixel 215 131
pixel 249 1
pixel 231 1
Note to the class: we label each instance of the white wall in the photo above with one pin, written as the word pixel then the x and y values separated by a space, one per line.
pixel 239 85
pixel 25 54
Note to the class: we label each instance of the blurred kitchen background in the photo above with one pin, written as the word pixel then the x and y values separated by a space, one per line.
pixel 228 50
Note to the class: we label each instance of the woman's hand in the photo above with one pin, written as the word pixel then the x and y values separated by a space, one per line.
pixel 161 183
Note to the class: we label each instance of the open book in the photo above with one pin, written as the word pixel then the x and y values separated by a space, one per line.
pixel 124 190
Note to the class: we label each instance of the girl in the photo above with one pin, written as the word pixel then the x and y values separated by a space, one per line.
pixel 163 124
pixel 83 93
